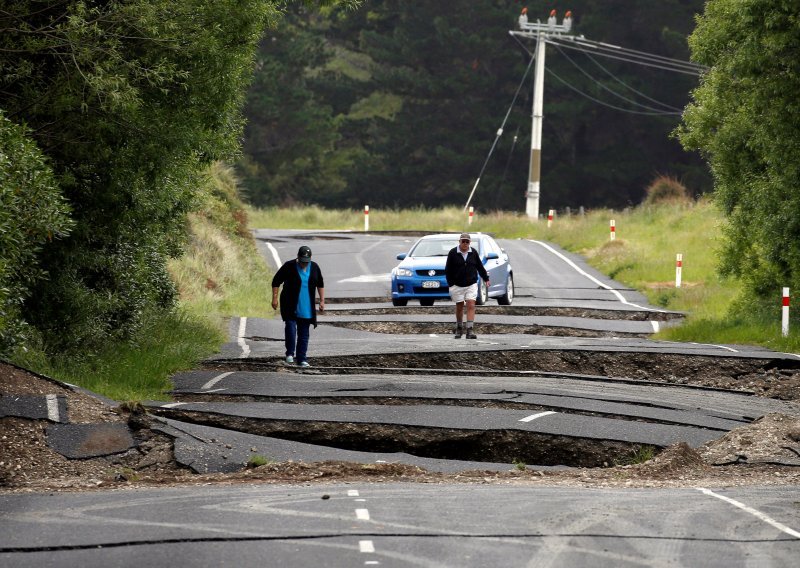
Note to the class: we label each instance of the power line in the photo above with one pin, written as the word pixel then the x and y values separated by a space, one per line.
pixel 499 133
pixel 622 55
pixel 613 92
pixel 621 82
pixel 605 104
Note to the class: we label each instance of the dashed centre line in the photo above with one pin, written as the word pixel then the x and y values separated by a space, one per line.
pixel 215 380
pixel 362 514
pixel 535 416
pixel 52 408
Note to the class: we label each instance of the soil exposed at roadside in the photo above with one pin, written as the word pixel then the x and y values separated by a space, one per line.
pixel 745 456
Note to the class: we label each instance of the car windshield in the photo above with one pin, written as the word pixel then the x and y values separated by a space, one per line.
pixel 432 247
pixel 435 247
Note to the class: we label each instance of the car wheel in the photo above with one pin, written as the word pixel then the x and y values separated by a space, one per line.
pixel 426 302
pixel 508 297
pixel 483 293
pixel 399 301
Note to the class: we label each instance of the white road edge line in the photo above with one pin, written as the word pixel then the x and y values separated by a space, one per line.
pixel 535 416
pixel 715 345
pixel 240 339
pixel 215 380
pixel 275 256
pixel 592 278
pixel 366 546
pixel 52 408
pixel 754 512
pixel 656 327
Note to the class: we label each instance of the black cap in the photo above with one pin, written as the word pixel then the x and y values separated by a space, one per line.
pixel 304 254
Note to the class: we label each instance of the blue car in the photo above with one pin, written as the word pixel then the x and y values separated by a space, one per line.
pixel 420 275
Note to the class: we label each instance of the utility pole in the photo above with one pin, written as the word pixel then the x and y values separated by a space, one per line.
pixel 540 32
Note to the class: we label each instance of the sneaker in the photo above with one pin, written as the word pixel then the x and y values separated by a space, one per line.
pixel 471 335
pixel 289 359
pixel 303 364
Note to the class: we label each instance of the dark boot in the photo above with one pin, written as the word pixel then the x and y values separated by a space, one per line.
pixel 458 331
pixel 470 332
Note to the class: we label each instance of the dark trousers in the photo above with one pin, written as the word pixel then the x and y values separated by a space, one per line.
pixel 296 335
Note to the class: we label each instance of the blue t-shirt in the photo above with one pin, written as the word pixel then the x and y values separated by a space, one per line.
pixel 303 310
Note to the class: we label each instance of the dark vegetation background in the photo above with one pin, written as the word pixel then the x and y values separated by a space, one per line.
pixel 398 103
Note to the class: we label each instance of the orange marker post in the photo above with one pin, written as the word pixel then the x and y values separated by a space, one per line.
pixel 678 269
pixel 613 226
pixel 366 218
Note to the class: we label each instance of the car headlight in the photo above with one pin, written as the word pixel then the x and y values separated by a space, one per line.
pixel 403 272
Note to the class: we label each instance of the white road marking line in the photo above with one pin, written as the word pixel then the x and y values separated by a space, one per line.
pixel 172 404
pixel 714 345
pixel 215 380
pixel 240 338
pixel 216 390
pixel 366 546
pixel 371 563
pixel 275 255
pixel 360 500
pixel 52 408
pixel 352 492
pixel 369 278
pixel 432 335
pixel 758 514
pixel 792 354
pixel 592 278
pixel 535 416
pixel 362 514
pixel 656 327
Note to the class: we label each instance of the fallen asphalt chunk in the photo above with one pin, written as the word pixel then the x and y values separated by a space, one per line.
pixel 77 441
pixel 35 407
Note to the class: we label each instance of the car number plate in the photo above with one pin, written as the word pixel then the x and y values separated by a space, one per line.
pixel 431 284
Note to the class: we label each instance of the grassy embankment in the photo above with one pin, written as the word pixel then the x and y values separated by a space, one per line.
pixel 642 256
pixel 220 275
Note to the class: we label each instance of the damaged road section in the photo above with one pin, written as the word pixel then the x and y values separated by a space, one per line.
pixel 457 433
pixel 773 378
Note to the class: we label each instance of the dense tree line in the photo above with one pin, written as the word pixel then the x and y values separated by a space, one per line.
pixel 110 112
pixel 745 118
pixel 398 104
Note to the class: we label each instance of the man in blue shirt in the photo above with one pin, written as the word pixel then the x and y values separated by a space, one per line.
pixel 301 279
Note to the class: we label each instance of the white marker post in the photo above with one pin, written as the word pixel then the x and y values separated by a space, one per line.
pixel 550 218
pixel 613 226
pixel 366 218
pixel 678 267
pixel 471 213
pixel 785 313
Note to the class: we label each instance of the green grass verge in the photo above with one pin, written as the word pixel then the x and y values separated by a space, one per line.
pixel 139 369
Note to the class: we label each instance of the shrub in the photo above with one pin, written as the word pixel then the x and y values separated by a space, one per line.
pixel 32 213
pixel 666 189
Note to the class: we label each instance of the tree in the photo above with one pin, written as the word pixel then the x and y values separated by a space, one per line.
pixel 744 119
pixel 129 101
pixel 32 213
